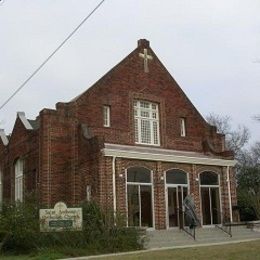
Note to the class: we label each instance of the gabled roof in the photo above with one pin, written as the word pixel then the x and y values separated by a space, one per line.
pixel 34 123
pixel 142 45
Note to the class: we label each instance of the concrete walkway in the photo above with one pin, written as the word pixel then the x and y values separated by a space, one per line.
pixel 176 239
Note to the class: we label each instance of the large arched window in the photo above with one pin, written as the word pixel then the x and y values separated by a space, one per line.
pixel 19 180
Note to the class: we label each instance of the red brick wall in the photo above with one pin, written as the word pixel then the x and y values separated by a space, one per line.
pixel 128 81
pixel 158 169
pixel 23 144
pixel 58 153
pixel 61 159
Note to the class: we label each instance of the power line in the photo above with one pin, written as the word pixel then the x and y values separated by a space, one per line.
pixel 52 54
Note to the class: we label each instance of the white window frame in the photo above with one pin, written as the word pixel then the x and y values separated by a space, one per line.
pixel 220 198
pixel 106 116
pixel 183 126
pixel 19 180
pixel 151 110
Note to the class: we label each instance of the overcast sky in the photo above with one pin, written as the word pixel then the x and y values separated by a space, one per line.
pixel 211 48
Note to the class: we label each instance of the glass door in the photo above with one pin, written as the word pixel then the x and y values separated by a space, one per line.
pixel 172 207
pixel 182 193
pixel 139 198
pixel 210 202
pixel 176 196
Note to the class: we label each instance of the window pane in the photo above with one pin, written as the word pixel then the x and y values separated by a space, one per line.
pixel 145 131
pixel 176 177
pixel 138 174
pixel 133 205
pixel 215 201
pixel 19 180
pixel 146 206
pixel 144 114
pixel 155 133
pixel 208 178
pixel 144 104
pixel 205 202
pixel 183 126
pixel 136 112
pixel 106 116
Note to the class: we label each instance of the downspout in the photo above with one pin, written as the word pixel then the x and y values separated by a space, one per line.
pixel 229 196
pixel 114 186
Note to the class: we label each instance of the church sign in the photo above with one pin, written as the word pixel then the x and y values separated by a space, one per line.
pixel 60 218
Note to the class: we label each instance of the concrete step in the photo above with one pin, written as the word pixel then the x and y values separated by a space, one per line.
pixel 169 238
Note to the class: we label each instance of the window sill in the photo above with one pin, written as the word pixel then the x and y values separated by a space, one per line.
pixel 143 144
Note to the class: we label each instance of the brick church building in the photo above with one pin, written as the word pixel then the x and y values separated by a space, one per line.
pixel 133 142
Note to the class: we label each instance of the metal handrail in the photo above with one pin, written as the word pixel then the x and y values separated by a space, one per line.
pixel 191 230
pixel 225 223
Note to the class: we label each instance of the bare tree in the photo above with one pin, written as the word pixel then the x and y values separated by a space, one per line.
pixel 236 139
pixel 248 180
pixel 257 117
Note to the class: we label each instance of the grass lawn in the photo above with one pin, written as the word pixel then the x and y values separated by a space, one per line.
pixel 247 251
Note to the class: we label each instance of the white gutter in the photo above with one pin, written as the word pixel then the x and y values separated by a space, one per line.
pixel 229 196
pixel 114 186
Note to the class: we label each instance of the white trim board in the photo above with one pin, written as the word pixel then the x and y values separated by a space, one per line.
pixel 24 120
pixel 3 137
pixel 134 152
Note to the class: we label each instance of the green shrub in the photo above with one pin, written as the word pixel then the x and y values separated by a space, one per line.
pixel 19 232
pixel 20 226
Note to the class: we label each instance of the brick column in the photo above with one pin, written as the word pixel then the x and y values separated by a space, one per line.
pixel 159 198
pixel 195 190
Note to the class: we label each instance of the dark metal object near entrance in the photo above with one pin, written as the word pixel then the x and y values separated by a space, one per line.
pixel 190 213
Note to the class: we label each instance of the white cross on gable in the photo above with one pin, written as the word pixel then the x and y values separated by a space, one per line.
pixel 146 58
